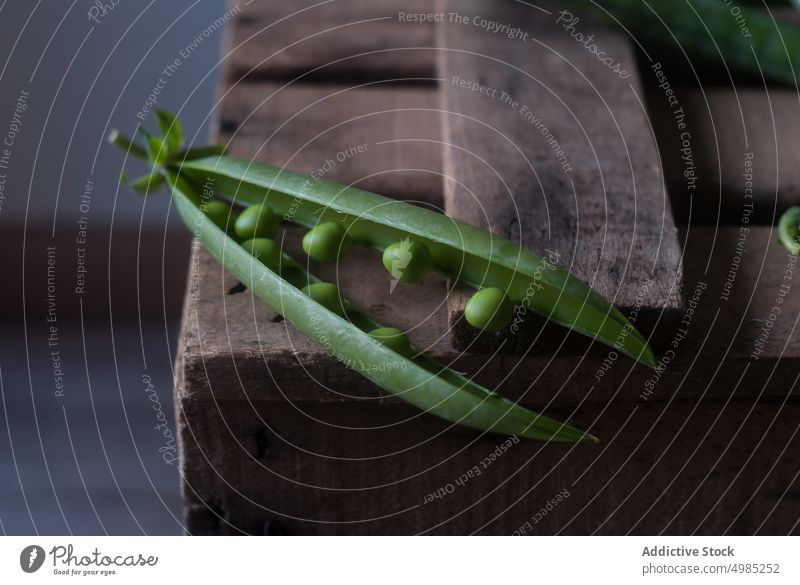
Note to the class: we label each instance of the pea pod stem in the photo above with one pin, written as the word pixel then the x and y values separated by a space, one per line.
pixel 460 251
pixel 419 380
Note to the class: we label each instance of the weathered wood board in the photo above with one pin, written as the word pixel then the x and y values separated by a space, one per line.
pixel 279 437
pixel 735 159
pixel 746 154
pixel 313 40
pixel 549 147
pixel 230 335
pixel 265 415
pixel 381 138
pixel 258 473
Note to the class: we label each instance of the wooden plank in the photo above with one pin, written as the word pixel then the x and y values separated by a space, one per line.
pixel 746 151
pixel 385 139
pixel 272 429
pixel 556 153
pixel 234 349
pixel 728 115
pixel 327 122
pixel 353 40
pixel 278 436
pixel 331 469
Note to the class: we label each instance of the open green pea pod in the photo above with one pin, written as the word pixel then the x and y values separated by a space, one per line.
pixel 414 378
pixel 459 250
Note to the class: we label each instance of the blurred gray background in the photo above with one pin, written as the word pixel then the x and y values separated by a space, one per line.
pixel 83 448
pixel 85 77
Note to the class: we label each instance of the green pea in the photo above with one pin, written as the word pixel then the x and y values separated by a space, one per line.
pixel 789 230
pixel 218 212
pixel 327 295
pixel 265 251
pixel 326 242
pixel 408 261
pixel 489 309
pixel 392 338
pixel 257 221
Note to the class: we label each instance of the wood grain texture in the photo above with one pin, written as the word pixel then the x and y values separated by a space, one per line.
pixel 315 40
pixel 235 348
pixel 277 436
pixel 384 139
pixel 728 113
pixel 557 154
pixel 307 471
pixel 745 145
